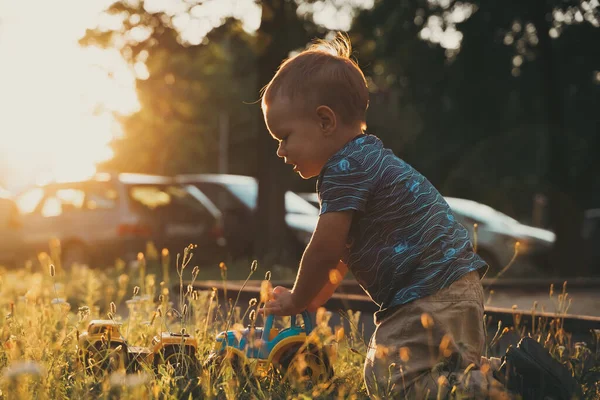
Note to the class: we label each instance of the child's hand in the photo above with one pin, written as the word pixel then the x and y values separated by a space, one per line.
pixel 282 303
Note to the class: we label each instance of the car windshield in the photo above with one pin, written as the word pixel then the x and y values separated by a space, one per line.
pixel 294 204
pixel 173 201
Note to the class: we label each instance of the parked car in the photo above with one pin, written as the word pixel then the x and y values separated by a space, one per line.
pixel 236 197
pixel 497 233
pixel 10 237
pixel 116 215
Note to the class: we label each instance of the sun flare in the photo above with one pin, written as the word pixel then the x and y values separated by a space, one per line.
pixel 56 99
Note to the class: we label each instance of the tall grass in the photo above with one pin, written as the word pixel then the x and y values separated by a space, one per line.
pixel 46 308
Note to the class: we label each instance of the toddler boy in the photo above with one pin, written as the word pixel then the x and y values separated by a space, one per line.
pixel 380 218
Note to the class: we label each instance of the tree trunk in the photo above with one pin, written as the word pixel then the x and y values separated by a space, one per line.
pixel 565 215
pixel 270 239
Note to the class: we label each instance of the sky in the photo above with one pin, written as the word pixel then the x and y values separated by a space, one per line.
pixel 57 99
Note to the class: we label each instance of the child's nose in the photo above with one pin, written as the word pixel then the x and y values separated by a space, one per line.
pixel 281 151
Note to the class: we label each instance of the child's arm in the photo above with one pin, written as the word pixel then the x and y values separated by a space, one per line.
pixel 323 253
pixel 329 288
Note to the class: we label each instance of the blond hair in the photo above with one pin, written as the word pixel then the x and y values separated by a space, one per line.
pixel 323 74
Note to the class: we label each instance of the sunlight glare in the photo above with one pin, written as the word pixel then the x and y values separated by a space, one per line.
pixel 56 98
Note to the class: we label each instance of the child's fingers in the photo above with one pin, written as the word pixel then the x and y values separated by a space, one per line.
pixel 279 290
pixel 270 307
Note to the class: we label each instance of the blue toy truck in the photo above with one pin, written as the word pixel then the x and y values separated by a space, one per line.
pixel 291 351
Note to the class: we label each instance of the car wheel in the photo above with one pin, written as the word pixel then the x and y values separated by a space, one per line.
pixel 103 359
pixel 183 361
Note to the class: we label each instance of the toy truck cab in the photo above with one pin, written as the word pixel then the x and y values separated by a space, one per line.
pixel 102 345
pixel 266 346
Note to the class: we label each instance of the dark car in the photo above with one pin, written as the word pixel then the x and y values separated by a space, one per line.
pixel 115 216
pixel 236 197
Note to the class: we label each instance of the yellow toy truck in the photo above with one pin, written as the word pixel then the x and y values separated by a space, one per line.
pixel 291 351
pixel 104 349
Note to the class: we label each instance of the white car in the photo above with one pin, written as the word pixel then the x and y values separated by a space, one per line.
pixel 497 234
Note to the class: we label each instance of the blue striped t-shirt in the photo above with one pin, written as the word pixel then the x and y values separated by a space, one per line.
pixel 404 242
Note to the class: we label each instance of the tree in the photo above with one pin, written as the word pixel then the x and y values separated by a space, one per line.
pixel 188 84
pixel 495 112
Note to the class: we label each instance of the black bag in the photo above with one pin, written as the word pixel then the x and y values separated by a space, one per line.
pixel 530 371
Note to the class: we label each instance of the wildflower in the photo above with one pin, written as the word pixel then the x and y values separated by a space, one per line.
pixel 404 354
pixel 136 290
pixel 165 252
pixel 195 272
pixel 184 310
pixel 254 266
pixel 339 334
pixel 266 291
pixel 252 302
pixel 445 349
pixel 182 331
pixel 52 270
pixel 190 289
pixel 113 307
pixel 140 256
pixel 222 266
pixel 252 315
pixel 268 276
pixel 426 321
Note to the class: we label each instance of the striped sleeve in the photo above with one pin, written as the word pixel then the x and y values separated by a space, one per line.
pixel 345 185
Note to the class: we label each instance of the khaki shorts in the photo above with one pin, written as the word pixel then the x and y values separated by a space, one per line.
pixel 440 332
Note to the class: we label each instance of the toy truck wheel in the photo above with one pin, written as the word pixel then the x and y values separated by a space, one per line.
pixel 217 361
pixel 182 360
pixel 305 366
pixel 103 360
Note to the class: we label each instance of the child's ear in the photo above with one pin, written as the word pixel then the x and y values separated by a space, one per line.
pixel 327 120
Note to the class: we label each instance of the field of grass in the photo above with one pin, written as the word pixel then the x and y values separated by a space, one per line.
pixel 47 308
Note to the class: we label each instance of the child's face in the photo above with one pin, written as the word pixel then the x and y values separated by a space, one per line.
pixel 302 142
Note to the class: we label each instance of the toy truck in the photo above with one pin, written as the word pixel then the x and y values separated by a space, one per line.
pixel 104 349
pixel 290 351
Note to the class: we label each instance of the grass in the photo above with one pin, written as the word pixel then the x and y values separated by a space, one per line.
pixel 46 309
